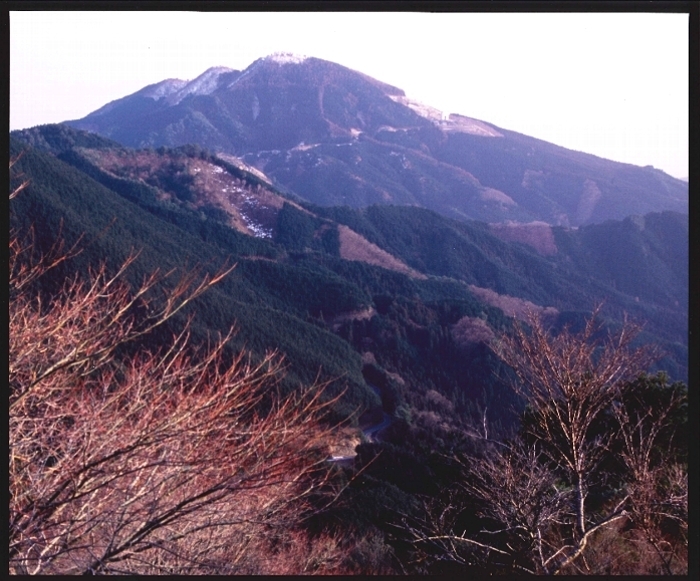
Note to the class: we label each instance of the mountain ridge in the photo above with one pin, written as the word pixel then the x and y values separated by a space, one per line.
pixel 548 266
pixel 332 135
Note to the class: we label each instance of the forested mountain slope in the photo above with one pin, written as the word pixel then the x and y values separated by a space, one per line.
pixel 397 307
pixel 334 136
pixel 637 266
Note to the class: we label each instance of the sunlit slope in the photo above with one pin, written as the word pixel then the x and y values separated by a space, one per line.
pixel 62 201
pixel 334 136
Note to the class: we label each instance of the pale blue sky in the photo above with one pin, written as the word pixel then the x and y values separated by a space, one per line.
pixel 615 85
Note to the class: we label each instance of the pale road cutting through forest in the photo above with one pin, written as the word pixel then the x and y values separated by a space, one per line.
pixel 369 433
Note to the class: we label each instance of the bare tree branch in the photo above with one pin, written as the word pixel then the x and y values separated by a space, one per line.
pixel 160 462
pixel 533 491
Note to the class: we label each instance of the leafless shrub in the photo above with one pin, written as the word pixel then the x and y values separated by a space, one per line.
pixel 658 491
pixel 162 462
pixel 569 380
pixel 513 488
pixel 534 490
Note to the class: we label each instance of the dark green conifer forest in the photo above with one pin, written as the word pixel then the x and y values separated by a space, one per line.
pixel 469 471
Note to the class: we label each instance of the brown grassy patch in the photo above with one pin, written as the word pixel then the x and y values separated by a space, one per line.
pixel 355 247
pixel 511 306
pixel 538 235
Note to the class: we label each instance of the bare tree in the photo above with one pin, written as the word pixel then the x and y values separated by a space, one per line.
pixel 161 462
pixel 569 380
pixel 658 486
pixel 512 488
pixel 536 487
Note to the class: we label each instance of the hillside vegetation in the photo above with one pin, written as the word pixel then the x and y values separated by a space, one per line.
pixel 398 309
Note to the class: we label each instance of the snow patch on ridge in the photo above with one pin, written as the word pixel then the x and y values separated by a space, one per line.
pixel 284 58
pixel 462 124
pixel 204 84
pixel 431 113
pixel 162 89
pixel 281 58
pixel 240 164
pixel 447 121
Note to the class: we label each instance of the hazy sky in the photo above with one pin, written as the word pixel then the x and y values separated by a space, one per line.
pixel 615 85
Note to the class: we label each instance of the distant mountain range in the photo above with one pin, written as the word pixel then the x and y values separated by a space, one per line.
pixel 333 136
pixel 394 307
pixel 303 170
pixel 331 274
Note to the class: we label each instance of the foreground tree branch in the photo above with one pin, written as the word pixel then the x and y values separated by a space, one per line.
pixel 568 381
pixel 161 462
pixel 592 422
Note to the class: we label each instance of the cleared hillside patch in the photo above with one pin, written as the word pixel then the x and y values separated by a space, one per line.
pixel 355 247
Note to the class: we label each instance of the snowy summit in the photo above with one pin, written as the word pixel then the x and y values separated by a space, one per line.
pixel 286 58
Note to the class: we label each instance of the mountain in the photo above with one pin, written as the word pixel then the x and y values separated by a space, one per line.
pixel 333 136
pixel 393 305
pixel 339 266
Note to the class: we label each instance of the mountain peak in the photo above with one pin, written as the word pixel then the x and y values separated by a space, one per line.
pixel 204 84
pixel 284 58
pixel 336 136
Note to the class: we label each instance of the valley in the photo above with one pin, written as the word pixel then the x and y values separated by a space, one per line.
pixel 386 251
